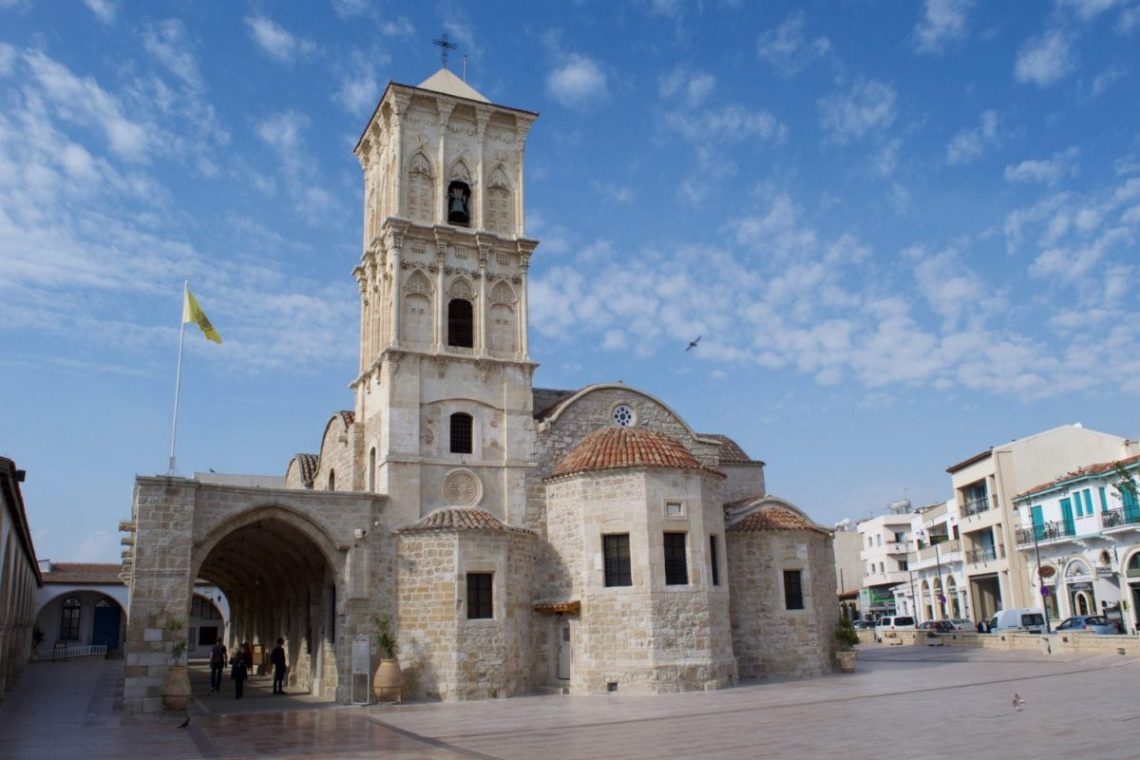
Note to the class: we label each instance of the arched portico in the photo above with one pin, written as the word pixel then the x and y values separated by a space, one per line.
pixel 277 570
pixel 81 616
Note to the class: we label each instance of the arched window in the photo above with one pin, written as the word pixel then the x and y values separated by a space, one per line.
pixel 461 433
pixel 420 192
pixel 460 323
pixel 332 480
pixel 69 619
pixel 458 203
pixel 372 469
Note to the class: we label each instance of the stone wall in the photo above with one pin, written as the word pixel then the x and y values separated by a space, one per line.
pixel 445 655
pixel 769 640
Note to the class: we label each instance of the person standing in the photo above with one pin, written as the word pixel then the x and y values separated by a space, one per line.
pixel 217 665
pixel 277 657
pixel 239 671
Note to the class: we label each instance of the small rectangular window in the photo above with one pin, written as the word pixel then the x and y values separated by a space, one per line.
pixel 714 560
pixel 461 433
pixel 793 590
pixel 676 564
pixel 615 550
pixel 479 605
pixel 674 509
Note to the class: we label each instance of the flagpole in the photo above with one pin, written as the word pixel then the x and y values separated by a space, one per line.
pixel 178 375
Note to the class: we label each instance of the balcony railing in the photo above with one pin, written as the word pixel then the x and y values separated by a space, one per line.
pixel 1045 532
pixel 976 506
pixel 1114 518
pixel 986 554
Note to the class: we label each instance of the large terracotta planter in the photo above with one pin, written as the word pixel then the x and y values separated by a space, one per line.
pixel 846 660
pixel 388 681
pixel 176 688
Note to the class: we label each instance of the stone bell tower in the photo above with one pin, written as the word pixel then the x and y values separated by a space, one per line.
pixel 443 397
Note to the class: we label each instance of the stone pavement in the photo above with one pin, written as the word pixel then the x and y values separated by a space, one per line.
pixel 905 702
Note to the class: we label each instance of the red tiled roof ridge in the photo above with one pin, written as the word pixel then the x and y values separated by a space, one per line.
pixel 774 517
pixel 613 448
pixel 459 518
pixel 1080 472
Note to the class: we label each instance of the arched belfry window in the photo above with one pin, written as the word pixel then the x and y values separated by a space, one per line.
pixel 461 433
pixel 69 619
pixel 460 323
pixel 459 203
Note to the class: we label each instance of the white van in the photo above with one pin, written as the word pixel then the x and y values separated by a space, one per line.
pixel 1031 620
pixel 887 626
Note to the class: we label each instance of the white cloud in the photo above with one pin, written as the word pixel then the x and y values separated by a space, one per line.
pixel 166 41
pixel 99 546
pixel 578 82
pixel 350 8
pixel 732 123
pixel 275 41
pixel 7 59
pixel 1044 171
pixel 1105 79
pixel 787 49
pixel 401 27
pixel 971 143
pixel 1090 9
pixel 886 160
pixel 1045 59
pixel 867 107
pixel 359 88
pixel 84 102
pixel 694 86
pixel 1129 20
pixel 942 21
pixel 104 10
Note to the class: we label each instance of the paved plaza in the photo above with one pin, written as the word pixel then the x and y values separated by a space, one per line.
pixel 905 702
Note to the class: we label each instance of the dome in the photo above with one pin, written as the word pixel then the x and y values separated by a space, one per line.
pixel 775 517
pixel 616 448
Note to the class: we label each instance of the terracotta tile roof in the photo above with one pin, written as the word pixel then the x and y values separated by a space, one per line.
pixel 459 518
pixel 1081 472
pixel 309 464
pixel 614 448
pixel 730 451
pixel 774 517
pixel 83 572
pixel 547 400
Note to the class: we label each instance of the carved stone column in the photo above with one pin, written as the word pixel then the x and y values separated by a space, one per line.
pixel 482 117
pixel 444 112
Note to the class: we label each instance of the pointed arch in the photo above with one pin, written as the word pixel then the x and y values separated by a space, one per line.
pixel 500 203
pixel 416 312
pixel 503 331
pixel 461 288
pixel 459 172
pixel 421 188
pixel 503 293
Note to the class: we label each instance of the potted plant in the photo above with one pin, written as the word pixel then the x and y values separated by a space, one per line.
pixel 847 637
pixel 176 687
pixel 388 681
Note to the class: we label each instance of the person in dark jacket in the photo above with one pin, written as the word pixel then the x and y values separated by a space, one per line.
pixel 277 657
pixel 239 671
pixel 217 665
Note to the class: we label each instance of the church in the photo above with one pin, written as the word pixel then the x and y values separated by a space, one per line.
pixel 518 539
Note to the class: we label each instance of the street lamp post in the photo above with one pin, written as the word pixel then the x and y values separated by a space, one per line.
pixel 941 582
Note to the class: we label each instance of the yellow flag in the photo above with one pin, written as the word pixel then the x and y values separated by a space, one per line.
pixel 192 312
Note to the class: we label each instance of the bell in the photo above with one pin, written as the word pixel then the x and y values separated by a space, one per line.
pixel 457 208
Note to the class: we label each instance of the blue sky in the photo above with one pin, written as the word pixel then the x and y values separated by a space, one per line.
pixel 907 231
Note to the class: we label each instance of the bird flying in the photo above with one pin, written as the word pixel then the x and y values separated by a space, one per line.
pixel 693 343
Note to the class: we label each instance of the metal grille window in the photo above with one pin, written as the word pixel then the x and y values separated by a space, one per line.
pixel 461 425
pixel 615 549
pixel 793 590
pixel 479 605
pixel 676 566
pixel 714 560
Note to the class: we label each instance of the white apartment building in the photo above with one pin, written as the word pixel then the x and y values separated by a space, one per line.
pixel 984 488
pixel 885 542
pixel 935 587
pixel 1078 540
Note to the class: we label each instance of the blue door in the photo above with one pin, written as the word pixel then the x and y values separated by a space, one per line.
pixel 1038 522
pixel 105 627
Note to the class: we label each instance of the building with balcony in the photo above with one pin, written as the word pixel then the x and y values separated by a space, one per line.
pixel 885 544
pixel 1078 542
pixel 984 488
pixel 936 588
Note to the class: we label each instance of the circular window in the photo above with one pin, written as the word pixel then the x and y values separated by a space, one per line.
pixel 462 488
pixel 623 415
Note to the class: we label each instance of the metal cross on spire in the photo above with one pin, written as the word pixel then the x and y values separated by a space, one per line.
pixel 444 45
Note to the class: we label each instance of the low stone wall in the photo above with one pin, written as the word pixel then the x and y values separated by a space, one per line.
pixel 1056 643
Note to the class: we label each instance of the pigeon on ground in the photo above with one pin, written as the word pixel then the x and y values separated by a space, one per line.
pixel 1017 701
pixel 185 723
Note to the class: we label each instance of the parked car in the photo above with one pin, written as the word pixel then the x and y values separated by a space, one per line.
pixel 937 626
pixel 1088 624
pixel 962 624
pixel 1018 619
pixel 891 623
pixel 863 624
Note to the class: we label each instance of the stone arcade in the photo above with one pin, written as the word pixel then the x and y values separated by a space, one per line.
pixel 518 538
